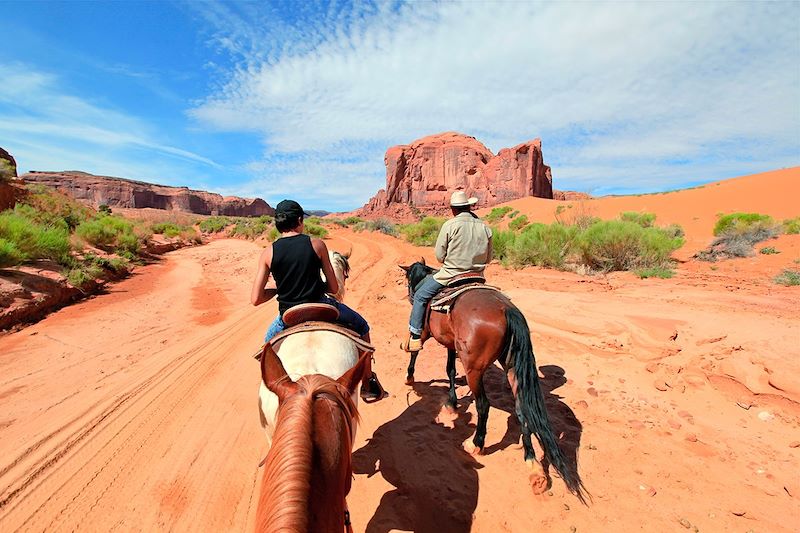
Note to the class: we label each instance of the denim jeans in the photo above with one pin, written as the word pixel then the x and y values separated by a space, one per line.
pixel 347 318
pixel 426 290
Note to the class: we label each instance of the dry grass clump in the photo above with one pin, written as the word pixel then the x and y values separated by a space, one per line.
pixel 788 278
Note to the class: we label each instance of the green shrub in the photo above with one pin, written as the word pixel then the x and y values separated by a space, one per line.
pixel 513 214
pixel 769 250
pixel 424 232
pixel 214 224
pixel 53 206
pixel 7 170
pixel 111 233
pixel 10 255
pixel 104 209
pixel 315 230
pixel 350 221
pixel 791 226
pixel 335 221
pixel 655 272
pixel 502 241
pixel 518 223
pixel 167 229
pixel 618 245
pixel 250 228
pixel 313 220
pixel 382 225
pixel 674 230
pixel 542 245
pixel 26 239
pixel 788 278
pixel 744 223
pixel 645 220
pixel 497 213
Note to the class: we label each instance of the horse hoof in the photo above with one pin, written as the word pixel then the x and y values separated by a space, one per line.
pixel 471 449
pixel 409 380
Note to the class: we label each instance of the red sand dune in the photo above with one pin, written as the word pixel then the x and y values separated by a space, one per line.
pixel 136 410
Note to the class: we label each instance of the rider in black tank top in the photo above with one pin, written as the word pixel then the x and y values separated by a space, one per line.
pixel 296 269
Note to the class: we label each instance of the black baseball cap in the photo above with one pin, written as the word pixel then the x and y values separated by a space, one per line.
pixel 289 209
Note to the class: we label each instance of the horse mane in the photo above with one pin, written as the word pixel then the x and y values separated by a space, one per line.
pixel 286 484
pixel 343 263
pixel 415 274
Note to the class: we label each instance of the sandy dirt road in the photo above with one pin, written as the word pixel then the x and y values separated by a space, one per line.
pixel 136 410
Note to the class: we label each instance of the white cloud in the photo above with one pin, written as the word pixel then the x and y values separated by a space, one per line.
pixel 609 87
pixel 38 119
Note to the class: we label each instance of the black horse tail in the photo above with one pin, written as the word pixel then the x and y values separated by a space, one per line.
pixel 530 400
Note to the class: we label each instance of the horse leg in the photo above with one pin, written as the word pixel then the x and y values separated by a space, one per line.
pixel 452 401
pixel 538 479
pixel 475 380
pixel 411 363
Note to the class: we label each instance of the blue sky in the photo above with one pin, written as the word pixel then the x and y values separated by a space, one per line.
pixel 301 99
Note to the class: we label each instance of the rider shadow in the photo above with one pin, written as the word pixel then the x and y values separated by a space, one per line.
pixel 435 480
pixel 566 426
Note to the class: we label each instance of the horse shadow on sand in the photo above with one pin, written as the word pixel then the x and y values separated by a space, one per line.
pixel 435 480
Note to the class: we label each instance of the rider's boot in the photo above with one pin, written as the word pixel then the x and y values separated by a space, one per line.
pixel 371 389
pixel 412 344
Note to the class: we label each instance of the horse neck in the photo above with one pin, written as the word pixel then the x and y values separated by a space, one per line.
pixel 338 270
pixel 308 468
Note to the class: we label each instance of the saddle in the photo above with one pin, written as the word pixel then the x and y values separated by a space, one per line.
pixel 314 317
pixel 444 300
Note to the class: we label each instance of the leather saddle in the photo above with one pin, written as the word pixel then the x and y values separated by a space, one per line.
pixel 445 299
pixel 314 317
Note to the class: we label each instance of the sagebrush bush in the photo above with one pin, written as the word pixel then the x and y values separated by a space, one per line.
pixel 27 240
pixel 791 226
pixel 618 245
pixel 214 224
pixel 497 214
pixel 382 225
pixel 52 207
pixel 315 230
pixel 250 228
pixel 769 250
pixel 518 223
pixel 542 245
pixel 111 233
pixel 645 220
pixel 502 241
pixel 350 221
pixel 167 229
pixel 788 278
pixel 424 232
pixel 745 223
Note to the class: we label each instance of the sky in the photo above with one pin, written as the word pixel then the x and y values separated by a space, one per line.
pixel 301 99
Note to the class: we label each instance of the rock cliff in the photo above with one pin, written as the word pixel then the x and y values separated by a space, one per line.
pixel 118 192
pixel 421 176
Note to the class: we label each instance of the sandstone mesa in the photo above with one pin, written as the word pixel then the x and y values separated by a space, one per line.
pixel 124 193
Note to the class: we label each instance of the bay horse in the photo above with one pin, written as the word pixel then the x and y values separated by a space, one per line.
pixel 308 470
pixel 303 353
pixel 482 327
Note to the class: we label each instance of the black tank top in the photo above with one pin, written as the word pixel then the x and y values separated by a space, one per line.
pixel 296 269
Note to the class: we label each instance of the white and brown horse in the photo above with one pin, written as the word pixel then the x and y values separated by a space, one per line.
pixel 308 470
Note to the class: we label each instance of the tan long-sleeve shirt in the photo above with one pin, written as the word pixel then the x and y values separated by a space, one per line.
pixel 464 245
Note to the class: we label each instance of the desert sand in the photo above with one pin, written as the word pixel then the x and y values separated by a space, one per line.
pixel 137 409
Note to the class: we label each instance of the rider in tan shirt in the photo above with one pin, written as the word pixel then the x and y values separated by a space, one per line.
pixel 464 246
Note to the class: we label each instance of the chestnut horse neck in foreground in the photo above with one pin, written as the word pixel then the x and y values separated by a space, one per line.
pixel 308 469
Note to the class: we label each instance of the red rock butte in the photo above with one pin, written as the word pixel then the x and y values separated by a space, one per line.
pixel 124 193
pixel 421 176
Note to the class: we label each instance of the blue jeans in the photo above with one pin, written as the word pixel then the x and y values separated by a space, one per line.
pixel 347 318
pixel 426 290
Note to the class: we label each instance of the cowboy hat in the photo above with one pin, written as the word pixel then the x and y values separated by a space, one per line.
pixel 459 199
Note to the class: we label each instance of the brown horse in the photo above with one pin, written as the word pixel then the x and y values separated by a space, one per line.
pixel 308 469
pixel 482 327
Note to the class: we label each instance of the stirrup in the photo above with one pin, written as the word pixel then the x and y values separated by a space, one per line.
pixel 411 345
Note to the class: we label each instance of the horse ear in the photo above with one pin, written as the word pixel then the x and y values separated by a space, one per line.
pixel 406 268
pixel 355 375
pixel 274 375
pixel 349 253
pixel 422 260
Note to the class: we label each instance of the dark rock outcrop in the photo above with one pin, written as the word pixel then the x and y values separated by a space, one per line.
pixel 119 192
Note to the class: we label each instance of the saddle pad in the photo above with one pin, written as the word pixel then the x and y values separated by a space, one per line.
pixel 308 312
pixel 444 301
pixel 363 346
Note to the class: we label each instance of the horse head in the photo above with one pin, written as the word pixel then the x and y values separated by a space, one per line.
pixel 341 267
pixel 415 273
